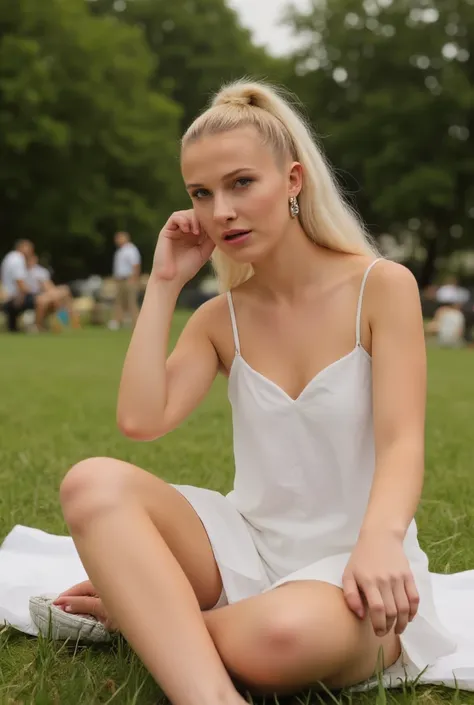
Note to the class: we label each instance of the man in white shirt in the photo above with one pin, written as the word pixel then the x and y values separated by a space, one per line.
pixel 14 276
pixel 126 272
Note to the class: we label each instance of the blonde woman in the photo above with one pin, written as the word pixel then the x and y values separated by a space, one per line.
pixel 309 571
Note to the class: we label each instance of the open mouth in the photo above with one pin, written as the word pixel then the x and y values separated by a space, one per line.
pixel 236 236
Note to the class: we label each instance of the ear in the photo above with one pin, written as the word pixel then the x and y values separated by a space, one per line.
pixel 295 179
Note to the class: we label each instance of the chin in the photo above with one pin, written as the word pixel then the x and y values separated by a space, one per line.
pixel 249 254
pixel 243 257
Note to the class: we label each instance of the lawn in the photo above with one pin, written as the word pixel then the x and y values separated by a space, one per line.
pixel 57 406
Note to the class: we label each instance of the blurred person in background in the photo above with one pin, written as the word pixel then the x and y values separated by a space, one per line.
pixel 451 293
pixel 14 277
pixel 126 272
pixel 38 277
pixel 448 325
pixel 50 298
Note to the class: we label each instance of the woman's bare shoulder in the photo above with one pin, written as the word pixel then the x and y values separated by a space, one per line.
pixel 214 318
pixel 212 312
pixel 389 277
pixel 391 287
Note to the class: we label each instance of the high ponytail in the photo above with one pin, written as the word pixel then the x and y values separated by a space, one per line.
pixel 325 216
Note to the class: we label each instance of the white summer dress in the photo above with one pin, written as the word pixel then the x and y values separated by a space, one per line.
pixel 303 473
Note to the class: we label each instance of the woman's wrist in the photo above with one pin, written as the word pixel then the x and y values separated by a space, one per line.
pixel 381 531
pixel 164 287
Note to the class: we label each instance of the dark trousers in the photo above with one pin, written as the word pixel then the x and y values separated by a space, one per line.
pixel 13 310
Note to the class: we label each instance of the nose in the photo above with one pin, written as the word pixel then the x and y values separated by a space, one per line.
pixel 223 209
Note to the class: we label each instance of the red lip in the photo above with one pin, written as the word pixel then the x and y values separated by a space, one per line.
pixel 230 233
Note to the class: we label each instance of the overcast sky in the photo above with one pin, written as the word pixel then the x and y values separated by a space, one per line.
pixel 261 16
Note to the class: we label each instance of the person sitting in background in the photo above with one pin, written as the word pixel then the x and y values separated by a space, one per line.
pixel 38 277
pixel 50 298
pixel 448 325
pixel 451 293
pixel 126 272
pixel 19 297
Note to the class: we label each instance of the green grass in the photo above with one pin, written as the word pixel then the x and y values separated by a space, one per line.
pixel 57 406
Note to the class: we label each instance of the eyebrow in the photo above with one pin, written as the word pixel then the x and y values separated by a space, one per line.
pixel 226 176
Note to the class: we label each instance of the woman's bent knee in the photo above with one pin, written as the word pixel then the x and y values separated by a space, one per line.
pixel 91 487
pixel 282 641
pixel 268 651
pixel 285 635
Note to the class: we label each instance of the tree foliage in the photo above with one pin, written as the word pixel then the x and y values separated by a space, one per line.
pixel 199 45
pixel 94 95
pixel 390 84
pixel 86 145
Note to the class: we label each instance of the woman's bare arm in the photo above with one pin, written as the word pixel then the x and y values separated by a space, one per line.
pixel 156 392
pixel 399 392
pixel 378 568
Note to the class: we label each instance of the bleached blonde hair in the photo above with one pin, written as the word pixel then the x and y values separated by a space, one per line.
pixel 325 216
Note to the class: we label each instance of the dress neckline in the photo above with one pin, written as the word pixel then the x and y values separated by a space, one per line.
pixel 312 382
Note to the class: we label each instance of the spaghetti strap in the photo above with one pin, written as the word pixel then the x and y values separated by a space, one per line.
pixel 361 298
pixel 234 322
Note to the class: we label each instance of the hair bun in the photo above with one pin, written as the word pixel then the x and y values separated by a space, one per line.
pixel 243 94
pixel 236 100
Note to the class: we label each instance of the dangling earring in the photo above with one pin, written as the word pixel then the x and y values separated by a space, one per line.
pixel 294 207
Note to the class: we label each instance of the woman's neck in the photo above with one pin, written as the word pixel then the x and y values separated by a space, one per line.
pixel 293 265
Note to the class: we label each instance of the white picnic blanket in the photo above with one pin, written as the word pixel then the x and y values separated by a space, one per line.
pixel 33 562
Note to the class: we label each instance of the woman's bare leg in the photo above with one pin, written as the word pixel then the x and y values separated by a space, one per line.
pixel 62 298
pixel 149 557
pixel 42 307
pixel 295 636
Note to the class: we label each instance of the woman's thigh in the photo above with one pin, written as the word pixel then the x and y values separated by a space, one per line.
pixel 97 483
pixel 298 635
pixel 61 292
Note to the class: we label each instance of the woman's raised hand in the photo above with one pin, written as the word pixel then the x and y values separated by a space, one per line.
pixel 183 248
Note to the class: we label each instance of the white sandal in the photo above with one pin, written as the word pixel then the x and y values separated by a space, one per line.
pixel 54 623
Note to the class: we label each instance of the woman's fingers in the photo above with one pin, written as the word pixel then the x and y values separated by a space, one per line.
pixel 189 221
pixel 390 606
pixel 403 606
pixel 377 609
pixel 352 595
pixel 185 224
pixel 413 597
pixel 186 221
pixel 84 605
pixel 195 223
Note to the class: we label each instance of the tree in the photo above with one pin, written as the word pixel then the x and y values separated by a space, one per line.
pixel 391 84
pixel 86 145
pixel 198 44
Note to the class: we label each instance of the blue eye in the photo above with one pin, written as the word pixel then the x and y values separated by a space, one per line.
pixel 201 193
pixel 243 181
pixel 198 193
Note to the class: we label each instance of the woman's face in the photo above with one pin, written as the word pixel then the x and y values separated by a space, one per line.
pixel 240 192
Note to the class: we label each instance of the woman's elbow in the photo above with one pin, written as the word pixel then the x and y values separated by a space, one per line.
pixel 137 431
